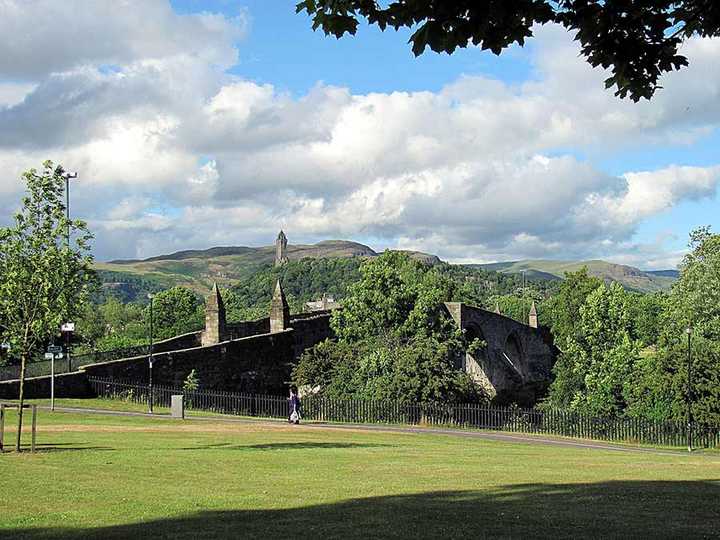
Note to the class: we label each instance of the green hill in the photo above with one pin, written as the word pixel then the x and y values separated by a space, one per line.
pixel 199 269
pixel 629 276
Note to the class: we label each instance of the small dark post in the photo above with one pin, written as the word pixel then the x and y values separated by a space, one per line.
pixel 2 425
pixel 34 428
pixel 150 393
pixel 67 351
pixel 689 390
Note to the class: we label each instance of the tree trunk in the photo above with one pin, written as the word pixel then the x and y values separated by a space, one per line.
pixel 21 397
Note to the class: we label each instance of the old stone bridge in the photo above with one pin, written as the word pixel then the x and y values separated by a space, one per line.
pixel 516 363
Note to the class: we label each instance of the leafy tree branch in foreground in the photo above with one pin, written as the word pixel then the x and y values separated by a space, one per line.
pixel 638 40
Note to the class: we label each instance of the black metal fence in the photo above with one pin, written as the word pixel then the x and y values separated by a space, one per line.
pixel 469 416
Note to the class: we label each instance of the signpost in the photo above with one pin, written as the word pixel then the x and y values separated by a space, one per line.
pixel 54 351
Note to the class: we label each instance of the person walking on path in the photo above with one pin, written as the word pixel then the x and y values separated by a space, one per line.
pixel 294 406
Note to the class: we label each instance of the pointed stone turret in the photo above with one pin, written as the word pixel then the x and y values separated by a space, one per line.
pixel 280 249
pixel 497 308
pixel 215 328
pixel 279 310
pixel 533 317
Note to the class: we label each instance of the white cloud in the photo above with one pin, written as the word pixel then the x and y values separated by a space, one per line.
pixel 46 36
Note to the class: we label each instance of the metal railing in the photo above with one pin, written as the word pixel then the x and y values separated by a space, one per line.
pixel 467 416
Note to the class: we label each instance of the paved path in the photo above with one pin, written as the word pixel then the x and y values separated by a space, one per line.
pixel 485 435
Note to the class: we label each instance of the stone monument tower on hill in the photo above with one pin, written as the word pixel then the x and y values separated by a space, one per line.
pixel 279 310
pixel 280 249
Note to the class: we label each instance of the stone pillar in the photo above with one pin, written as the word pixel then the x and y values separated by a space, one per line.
pixel 279 310
pixel 215 327
pixel 533 317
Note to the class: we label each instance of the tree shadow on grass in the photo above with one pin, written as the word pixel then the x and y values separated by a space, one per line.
pixel 618 509
pixel 286 446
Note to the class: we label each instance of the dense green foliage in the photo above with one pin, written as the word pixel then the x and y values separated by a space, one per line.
pixel 639 41
pixel 627 354
pixel 175 311
pixel 646 313
pixel 115 325
pixel 303 281
pixel 394 339
pixel 594 372
pixel 562 311
pixel 693 303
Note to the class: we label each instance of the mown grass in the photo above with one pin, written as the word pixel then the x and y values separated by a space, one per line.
pixel 130 477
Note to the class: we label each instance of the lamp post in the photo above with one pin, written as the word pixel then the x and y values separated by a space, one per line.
pixel 150 358
pixel 68 176
pixel 68 328
pixel 689 390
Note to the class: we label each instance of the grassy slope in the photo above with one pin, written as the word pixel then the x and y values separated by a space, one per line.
pixel 115 477
pixel 627 275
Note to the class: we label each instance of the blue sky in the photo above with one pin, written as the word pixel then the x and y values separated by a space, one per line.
pixel 282 49
pixel 195 124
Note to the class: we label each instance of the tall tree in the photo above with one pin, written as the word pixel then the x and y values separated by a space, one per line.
pixel 43 277
pixel 693 302
pixel 594 372
pixel 695 297
pixel 176 311
pixel 639 39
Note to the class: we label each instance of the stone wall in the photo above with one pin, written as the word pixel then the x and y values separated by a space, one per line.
pixel 258 364
pixel 67 385
pixel 310 329
pixel 253 361
pixel 184 341
pixel 516 365
pixel 248 328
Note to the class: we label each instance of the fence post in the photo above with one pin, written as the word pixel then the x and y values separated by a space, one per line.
pixel 34 428
pixel 2 425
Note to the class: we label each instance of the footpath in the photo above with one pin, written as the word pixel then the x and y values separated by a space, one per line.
pixel 475 434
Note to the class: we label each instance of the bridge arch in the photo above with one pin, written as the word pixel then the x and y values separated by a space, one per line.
pixel 513 353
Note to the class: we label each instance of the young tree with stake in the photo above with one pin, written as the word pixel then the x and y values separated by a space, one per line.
pixel 44 279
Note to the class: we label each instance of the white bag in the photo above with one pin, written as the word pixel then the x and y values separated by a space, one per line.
pixel 294 417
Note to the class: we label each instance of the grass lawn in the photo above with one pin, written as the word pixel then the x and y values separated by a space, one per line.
pixel 133 477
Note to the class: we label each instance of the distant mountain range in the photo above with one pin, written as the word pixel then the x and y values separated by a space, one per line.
pixel 629 276
pixel 198 269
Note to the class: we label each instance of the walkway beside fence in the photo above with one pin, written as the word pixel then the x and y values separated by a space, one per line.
pixel 467 416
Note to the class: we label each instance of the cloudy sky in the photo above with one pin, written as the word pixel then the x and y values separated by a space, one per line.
pixel 194 124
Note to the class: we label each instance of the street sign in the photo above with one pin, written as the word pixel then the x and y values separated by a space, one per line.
pixel 49 356
pixel 68 327
pixel 55 349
